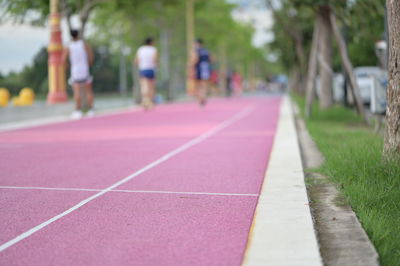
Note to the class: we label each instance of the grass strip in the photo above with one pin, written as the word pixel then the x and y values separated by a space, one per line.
pixel 354 163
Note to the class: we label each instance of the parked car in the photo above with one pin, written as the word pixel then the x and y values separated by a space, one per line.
pixel 337 86
pixel 365 78
pixel 378 94
pixel 371 82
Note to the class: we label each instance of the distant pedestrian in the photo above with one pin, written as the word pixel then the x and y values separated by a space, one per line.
pixel 237 83
pixel 146 59
pixel 229 83
pixel 201 64
pixel 81 58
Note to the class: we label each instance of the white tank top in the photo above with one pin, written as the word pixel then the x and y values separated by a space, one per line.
pixel 146 55
pixel 79 60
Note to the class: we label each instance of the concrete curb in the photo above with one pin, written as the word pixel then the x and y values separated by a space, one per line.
pixel 342 239
pixel 282 231
pixel 12 114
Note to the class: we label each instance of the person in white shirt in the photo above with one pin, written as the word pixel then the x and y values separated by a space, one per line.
pixel 81 58
pixel 146 60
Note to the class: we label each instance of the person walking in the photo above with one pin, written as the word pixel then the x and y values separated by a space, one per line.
pixel 146 60
pixel 81 58
pixel 229 85
pixel 201 64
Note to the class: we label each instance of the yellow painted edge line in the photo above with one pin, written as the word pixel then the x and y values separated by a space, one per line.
pixel 263 185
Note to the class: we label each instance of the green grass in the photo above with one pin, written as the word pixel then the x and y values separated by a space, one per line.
pixel 354 162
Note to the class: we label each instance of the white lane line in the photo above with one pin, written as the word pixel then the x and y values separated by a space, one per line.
pixel 51 188
pixel 188 193
pixel 164 158
pixel 134 191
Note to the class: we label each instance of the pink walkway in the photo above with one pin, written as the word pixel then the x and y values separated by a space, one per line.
pixel 194 208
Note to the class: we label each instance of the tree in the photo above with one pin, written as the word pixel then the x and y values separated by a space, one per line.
pixel 355 48
pixel 21 11
pixel 312 67
pixel 392 136
pixel 326 22
pixel 321 52
pixel 18 11
pixel 363 30
pixel 325 57
pixel 290 21
pixel 348 67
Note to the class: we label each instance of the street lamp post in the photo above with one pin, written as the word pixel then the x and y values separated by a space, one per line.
pixel 56 71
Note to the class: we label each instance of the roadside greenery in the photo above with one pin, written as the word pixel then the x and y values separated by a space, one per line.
pixel 354 163
pixel 362 24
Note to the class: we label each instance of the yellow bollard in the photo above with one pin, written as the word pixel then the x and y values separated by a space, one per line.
pixel 26 97
pixel 16 101
pixel 4 97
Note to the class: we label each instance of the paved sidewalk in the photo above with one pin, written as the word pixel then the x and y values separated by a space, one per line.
pixel 12 117
pixel 40 110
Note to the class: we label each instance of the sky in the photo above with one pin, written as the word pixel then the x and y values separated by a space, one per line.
pixel 256 14
pixel 19 43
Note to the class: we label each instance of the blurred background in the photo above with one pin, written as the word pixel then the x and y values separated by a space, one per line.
pixel 236 32
pixel 262 43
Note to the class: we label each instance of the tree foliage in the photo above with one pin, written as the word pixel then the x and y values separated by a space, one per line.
pixel 25 11
pixel 362 22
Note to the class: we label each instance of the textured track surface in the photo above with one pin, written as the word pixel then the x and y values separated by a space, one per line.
pixel 194 208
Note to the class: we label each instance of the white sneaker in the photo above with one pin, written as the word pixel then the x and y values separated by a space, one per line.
pixel 77 114
pixel 90 113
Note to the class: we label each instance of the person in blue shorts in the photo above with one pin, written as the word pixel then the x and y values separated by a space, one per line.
pixel 146 59
pixel 201 62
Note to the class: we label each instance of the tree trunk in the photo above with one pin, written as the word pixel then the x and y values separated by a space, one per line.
pixel 83 26
pixel 392 136
pixel 164 61
pixel 65 10
pixel 312 68
pixel 222 75
pixel 325 58
pixel 136 95
pixel 251 73
pixel 294 78
pixel 348 67
pixel 290 25
pixel 83 17
pixel 123 82
pixel 301 57
pixel 69 23
pixel 189 43
pixel 85 11
pixel 164 54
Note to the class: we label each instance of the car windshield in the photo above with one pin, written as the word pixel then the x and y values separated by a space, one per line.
pixel 363 75
pixel 366 72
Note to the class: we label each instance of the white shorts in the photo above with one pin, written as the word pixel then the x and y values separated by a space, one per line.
pixel 86 80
